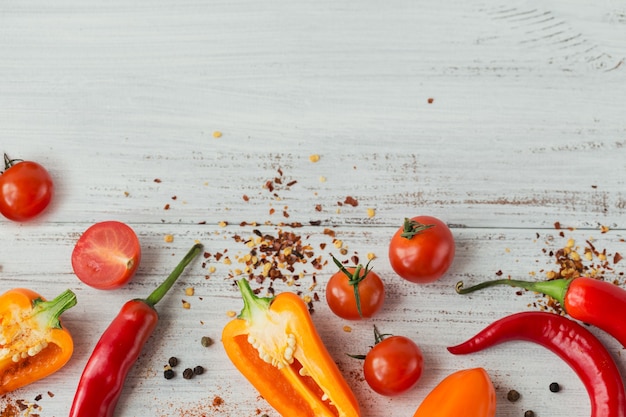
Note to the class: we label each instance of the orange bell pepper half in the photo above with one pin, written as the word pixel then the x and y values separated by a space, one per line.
pixel 468 392
pixel 33 344
pixel 275 345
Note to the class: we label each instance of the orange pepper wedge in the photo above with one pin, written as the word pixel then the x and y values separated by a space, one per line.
pixel 468 393
pixel 33 344
pixel 275 345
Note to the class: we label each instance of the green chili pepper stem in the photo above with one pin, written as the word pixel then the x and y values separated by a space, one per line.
pixel 162 289
pixel 51 310
pixel 555 288
pixel 252 304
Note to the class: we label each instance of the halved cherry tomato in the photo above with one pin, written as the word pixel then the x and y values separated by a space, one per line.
pixel 393 365
pixel 26 189
pixel 422 250
pixel 107 255
pixel 355 292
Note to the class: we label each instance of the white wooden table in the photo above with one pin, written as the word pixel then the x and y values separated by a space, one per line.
pixel 500 118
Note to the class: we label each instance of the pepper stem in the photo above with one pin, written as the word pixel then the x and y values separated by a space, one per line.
pixel 162 289
pixel 555 288
pixel 251 302
pixel 52 310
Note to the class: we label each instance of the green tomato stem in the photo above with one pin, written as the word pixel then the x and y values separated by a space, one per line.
pixel 412 227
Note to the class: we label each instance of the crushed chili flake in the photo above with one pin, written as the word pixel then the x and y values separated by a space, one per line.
pixel 575 260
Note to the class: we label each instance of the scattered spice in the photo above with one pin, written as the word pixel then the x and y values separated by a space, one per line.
pixel 198 370
pixel 188 373
pixel 189 291
pixel 217 134
pixel 168 238
pixel 347 329
pixel 371 212
pixel 529 413
pixel 314 158
pixel 555 387
pixel 173 361
pixel 169 373
pixel 513 396
pixel 206 341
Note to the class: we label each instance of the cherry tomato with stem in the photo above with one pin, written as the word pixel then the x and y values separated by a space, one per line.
pixel 393 365
pixel 356 292
pixel 422 250
pixel 26 189
pixel 107 255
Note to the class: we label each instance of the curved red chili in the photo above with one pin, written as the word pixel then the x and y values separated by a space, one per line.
pixel 119 347
pixel 592 301
pixel 577 346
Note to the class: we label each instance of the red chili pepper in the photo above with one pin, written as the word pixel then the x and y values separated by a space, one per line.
pixel 119 347
pixel 577 346
pixel 599 303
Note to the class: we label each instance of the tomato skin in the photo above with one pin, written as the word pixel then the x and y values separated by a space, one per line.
pixel 426 256
pixel 107 255
pixel 393 366
pixel 341 300
pixel 26 189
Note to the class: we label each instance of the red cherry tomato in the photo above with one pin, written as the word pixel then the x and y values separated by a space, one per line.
pixel 422 250
pixel 107 255
pixel 342 298
pixel 393 365
pixel 26 189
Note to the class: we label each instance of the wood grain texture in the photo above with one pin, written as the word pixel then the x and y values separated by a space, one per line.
pixel 499 118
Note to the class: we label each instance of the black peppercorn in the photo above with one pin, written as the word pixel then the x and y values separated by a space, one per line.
pixel 168 373
pixel 198 370
pixel 512 396
pixel 529 413
pixel 188 373
pixel 173 361
pixel 554 387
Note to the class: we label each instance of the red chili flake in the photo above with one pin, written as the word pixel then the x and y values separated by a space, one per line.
pixel 290 183
pixel 617 257
pixel 272 211
pixel 166 207
pixel 318 207
pixel 430 100
pixel 557 225
pixel 315 222
pixel 246 198
pixel 157 180
pixel 351 201
pixel 499 273
pixel 174 197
